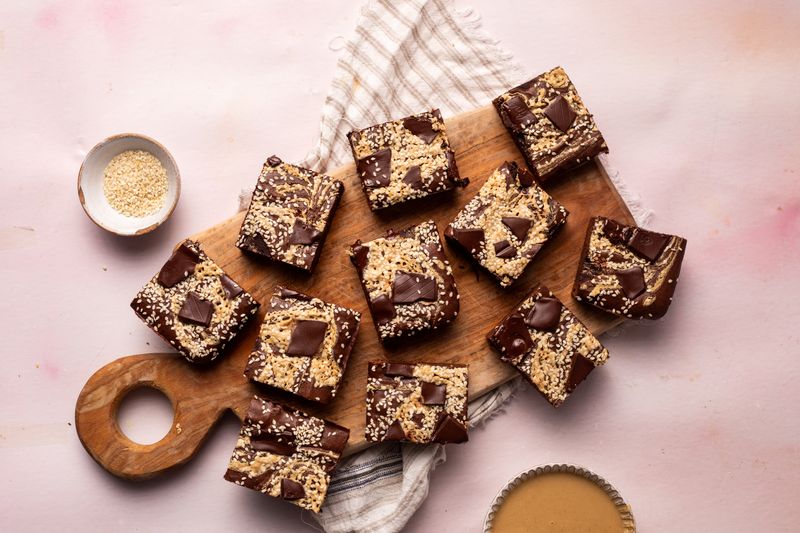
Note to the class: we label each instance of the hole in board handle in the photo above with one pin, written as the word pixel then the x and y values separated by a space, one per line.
pixel 145 415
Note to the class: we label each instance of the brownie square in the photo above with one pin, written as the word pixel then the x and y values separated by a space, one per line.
pixel 404 159
pixel 628 271
pixel 303 345
pixel 407 281
pixel 193 305
pixel 418 403
pixel 286 453
pixel 548 345
pixel 290 214
pixel 506 224
pixel 549 124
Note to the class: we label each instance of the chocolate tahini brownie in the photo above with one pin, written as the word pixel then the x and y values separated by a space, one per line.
pixel 418 403
pixel 407 281
pixel 193 305
pixel 506 224
pixel 548 345
pixel 628 271
pixel 404 159
pixel 303 345
pixel 290 214
pixel 550 124
pixel 286 454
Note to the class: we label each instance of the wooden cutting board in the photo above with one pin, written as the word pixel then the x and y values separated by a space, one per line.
pixel 200 395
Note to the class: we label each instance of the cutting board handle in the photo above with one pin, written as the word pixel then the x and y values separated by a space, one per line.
pixel 197 399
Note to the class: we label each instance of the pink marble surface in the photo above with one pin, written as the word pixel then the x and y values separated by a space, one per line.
pixel 695 419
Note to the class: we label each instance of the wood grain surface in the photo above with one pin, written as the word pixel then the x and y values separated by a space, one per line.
pixel 200 395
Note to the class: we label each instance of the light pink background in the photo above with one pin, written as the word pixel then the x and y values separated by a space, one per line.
pixel 695 419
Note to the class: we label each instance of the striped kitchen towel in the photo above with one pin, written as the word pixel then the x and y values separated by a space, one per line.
pixel 405 57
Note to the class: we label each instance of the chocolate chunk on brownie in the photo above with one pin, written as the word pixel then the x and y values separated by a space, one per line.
pixel 290 214
pixel 548 345
pixel 418 403
pixel 407 281
pixel 193 305
pixel 303 345
pixel 404 159
pixel 286 454
pixel 628 271
pixel 506 224
pixel 550 124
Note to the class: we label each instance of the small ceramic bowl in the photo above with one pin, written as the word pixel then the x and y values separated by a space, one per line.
pixel 628 523
pixel 90 185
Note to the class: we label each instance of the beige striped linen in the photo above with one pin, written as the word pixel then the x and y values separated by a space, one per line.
pixel 405 57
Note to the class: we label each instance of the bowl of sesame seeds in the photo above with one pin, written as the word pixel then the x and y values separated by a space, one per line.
pixel 129 184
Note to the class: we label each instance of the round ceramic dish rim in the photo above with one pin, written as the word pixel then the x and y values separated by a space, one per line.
pixel 624 509
pixel 151 227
